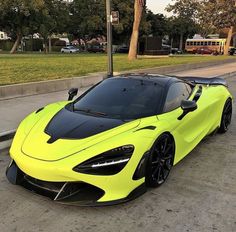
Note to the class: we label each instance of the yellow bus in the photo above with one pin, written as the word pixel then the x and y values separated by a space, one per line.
pixel 214 45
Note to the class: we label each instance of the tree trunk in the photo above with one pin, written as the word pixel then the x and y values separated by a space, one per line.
pixel 181 41
pixel 49 44
pixel 230 33
pixel 234 40
pixel 171 45
pixel 45 46
pixel 16 44
pixel 138 9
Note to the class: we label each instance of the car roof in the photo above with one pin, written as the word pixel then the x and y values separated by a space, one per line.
pixel 161 80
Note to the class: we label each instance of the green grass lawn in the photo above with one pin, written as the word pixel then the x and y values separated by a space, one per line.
pixel 22 68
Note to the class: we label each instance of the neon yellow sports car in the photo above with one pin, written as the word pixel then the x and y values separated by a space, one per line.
pixel 118 138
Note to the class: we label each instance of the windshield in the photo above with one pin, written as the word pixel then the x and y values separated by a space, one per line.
pixel 122 98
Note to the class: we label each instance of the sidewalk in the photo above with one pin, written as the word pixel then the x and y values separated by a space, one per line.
pixel 210 71
pixel 14 110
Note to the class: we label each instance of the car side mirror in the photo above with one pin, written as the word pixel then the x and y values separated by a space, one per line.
pixel 187 107
pixel 72 93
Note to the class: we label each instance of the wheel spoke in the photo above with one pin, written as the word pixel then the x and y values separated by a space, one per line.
pixel 167 157
pixel 228 108
pixel 155 173
pixel 167 164
pixel 170 146
pixel 155 163
pixel 162 175
pixel 159 174
pixel 228 118
pixel 164 145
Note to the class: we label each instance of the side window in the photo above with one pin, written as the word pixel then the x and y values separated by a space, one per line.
pixel 177 92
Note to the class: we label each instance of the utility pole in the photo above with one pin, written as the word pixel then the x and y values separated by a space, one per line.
pixel 109 39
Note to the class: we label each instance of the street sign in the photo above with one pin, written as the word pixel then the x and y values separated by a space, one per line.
pixel 115 17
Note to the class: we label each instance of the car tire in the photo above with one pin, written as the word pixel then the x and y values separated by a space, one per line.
pixel 160 161
pixel 226 116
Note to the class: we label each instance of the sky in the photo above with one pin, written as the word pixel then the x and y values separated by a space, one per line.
pixel 158 6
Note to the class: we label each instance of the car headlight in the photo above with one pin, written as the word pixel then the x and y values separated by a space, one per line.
pixel 107 163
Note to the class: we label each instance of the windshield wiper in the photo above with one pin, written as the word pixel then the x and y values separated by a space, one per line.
pixel 89 111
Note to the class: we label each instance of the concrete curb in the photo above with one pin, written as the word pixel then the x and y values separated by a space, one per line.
pixel 228 75
pixel 6 139
pixel 34 88
pixel 7 135
pixel 179 68
pixel 43 87
pixel 4 146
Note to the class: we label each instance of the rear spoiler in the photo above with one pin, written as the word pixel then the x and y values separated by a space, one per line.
pixel 205 81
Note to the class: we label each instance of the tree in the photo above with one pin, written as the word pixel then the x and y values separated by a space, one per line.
pixel 138 11
pixel 158 24
pixel 219 14
pixel 87 19
pixel 52 18
pixel 179 30
pixel 17 17
pixel 184 21
pixel 121 32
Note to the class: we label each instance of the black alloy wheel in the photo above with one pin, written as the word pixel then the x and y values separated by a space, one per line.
pixel 160 161
pixel 226 116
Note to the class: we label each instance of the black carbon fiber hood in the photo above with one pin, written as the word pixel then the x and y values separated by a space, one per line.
pixel 70 125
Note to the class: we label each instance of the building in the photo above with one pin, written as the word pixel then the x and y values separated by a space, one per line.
pixel 3 35
pixel 153 46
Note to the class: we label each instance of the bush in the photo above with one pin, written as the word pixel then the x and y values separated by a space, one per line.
pixel 34 45
pixel 57 48
pixel 6 45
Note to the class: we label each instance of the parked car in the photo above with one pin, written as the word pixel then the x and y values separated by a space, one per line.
pixel 123 49
pixel 96 48
pixel 69 49
pixel 123 135
pixel 204 51
pixel 232 51
pixel 176 51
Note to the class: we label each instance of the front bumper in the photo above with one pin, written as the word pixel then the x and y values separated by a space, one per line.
pixel 71 193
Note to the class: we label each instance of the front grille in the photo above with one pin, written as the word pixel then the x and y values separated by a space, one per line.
pixel 65 192
pixel 48 186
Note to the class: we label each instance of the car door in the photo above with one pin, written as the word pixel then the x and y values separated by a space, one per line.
pixel 190 130
pixel 66 50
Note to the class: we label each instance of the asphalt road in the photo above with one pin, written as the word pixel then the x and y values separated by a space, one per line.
pixel 200 195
